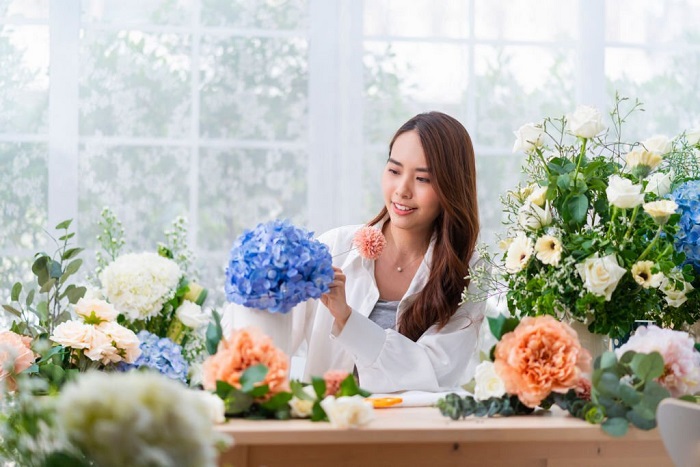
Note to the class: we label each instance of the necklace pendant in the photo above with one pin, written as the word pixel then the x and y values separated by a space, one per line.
pixel 399 268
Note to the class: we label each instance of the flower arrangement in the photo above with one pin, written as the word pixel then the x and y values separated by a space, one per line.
pixel 539 362
pixel 16 356
pixel 159 354
pixel 591 232
pixel 687 197
pixel 251 376
pixel 276 266
pixel 113 419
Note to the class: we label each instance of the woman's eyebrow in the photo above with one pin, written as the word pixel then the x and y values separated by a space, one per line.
pixel 419 169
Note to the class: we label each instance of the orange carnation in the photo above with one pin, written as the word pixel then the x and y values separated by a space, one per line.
pixel 245 348
pixel 15 356
pixel 370 242
pixel 540 356
pixel 333 378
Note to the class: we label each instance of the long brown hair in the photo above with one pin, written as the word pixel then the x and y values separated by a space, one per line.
pixel 449 154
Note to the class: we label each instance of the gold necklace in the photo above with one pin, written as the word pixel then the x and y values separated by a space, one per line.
pixel 401 269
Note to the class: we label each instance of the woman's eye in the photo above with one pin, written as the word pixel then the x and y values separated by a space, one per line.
pixel 423 180
pixel 393 171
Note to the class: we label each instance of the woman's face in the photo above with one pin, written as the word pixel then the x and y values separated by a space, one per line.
pixel 409 195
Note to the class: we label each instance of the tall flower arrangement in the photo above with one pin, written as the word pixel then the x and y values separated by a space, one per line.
pixel 591 231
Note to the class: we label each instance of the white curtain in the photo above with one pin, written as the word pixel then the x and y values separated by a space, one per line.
pixel 235 112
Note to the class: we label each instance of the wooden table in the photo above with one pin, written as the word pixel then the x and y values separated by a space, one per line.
pixel 405 437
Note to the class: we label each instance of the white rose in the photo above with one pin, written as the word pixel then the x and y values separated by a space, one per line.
pixel 693 136
pixel 548 250
pixel 674 297
pixel 601 275
pixel 101 348
pixel 125 340
pixel 102 310
pixel 214 405
pixel 623 193
pixel 660 210
pixel 73 334
pixel 519 252
pixel 533 217
pixel 528 137
pixel 302 408
pixel 538 196
pixel 586 122
pixel 348 412
pixel 659 184
pixel 658 144
pixel 192 315
pixel 488 383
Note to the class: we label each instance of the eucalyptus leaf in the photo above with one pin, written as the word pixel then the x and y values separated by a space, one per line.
pixel 64 225
pixel 642 422
pixel 12 310
pixel 70 253
pixel 297 388
pixel 40 269
pixel 616 426
pixel 55 269
pixel 30 298
pixel 647 366
pixel 608 360
pixel 277 402
pixel 629 395
pixel 214 333
pixel 71 269
pixel 16 290
pixel 75 294
pixel 252 375
pixel 65 237
pixel 42 311
pixel 608 385
pixel 48 285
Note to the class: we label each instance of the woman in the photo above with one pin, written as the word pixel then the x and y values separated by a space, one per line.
pixel 396 320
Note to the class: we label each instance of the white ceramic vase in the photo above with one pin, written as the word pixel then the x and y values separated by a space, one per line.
pixel 278 326
pixel 596 344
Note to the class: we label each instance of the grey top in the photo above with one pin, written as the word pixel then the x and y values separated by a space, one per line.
pixel 384 314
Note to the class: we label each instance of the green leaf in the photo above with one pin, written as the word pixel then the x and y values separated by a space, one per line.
pixel 259 391
pixel 223 389
pixel 252 375
pixel 16 290
pixel 501 325
pixel 75 293
pixel 64 459
pixel 317 413
pixel 349 387
pixel 653 394
pixel 48 285
pixel 70 253
pixel 577 206
pixel 608 360
pixel 64 225
pixel 238 402
pixel 42 311
pixel 647 366
pixel 629 395
pixel 30 298
pixel 627 357
pixel 319 386
pixel 616 426
pixel 40 269
pixel 277 402
pixel 72 268
pixel 12 310
pixel 55 269
pixel 67 236
pixel 214 333
pixel 297 388
pixel 643 422
pixel 608 385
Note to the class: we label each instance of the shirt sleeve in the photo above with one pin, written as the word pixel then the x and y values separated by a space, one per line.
pixel 388 361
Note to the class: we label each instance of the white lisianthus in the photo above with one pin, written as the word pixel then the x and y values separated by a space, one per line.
pixel 488 383
pixel 302 408
pixel 658 144
pixel 348 411
pixel 538 196
pixel 519 253
pixel 661 210
pixel 533 217
pixel 673 296
pixel 192 315
pixel 137 418
pixel 693 136
pixel 95 311
pixel 124 341
pixel 659 184
pixel 585 122
pixel 601 275
pixel 548 249
pixel 138 285
pixel 528 137
pixel 642 160
pixel 641 272
pixel 623 193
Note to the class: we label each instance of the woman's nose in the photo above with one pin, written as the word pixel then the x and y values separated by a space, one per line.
pixel 403 189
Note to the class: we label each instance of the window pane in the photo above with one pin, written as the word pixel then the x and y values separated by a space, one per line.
pixel 24 63
pixel 256 14
pixel 527 20
pixel 420 18
pixel 146 187
pixel 650 21
pixel 241 188
pixel 138 12
pixel 135 84
pixel 23 195
pixel 516 85
pixel 254 88
pixel 24 9
pixel 403 79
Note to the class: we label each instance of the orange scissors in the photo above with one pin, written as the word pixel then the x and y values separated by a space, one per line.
pixel 384 402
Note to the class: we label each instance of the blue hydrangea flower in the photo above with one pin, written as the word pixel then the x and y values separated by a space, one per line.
pixel 160 354
pixel 276 266
pixel 687 196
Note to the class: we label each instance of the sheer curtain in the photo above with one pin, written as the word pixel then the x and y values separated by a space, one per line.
pixel 235 112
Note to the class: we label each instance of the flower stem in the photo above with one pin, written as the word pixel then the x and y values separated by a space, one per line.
pixel 634 216
pixel 580 157
pixel 651 245
pixel 612 219
pixel 544 162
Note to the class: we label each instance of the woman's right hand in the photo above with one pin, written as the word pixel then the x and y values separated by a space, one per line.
pixel 335 299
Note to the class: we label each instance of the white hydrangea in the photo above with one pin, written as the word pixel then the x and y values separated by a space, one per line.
pixel 138 419
pixel 138 284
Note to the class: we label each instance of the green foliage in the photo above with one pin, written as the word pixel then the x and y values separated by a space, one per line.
pixel 456 407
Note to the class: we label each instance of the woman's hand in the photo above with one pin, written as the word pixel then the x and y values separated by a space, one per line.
pixel 335 300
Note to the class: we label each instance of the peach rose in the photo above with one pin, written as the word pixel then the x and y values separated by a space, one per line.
pixel 15 356
pixel 247 347
pixel 95 311
pixel 540 356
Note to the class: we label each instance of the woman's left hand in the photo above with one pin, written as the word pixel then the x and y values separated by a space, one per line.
pixel 335 300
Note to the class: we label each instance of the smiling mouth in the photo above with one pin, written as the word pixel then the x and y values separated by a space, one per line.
pixel 402 208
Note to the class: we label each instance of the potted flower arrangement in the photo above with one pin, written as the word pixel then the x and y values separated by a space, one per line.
pixel 595 234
